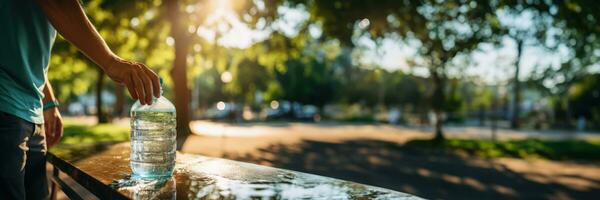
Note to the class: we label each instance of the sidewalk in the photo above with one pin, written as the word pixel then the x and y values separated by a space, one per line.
pixel 218 139
pixel 373 154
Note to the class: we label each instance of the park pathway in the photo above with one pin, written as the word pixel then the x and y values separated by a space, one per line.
pixel 373 154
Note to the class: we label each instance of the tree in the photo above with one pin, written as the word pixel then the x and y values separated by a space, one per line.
pixel 71 75
pixel 526 25
pixel 128 29
pixel 249 78
pixel 306 82
pixel 178 72
pixel 443 30
pixel 71 72
pixel 574 27
pixel 413 91
pixel 585 95
pixel 183 39
pixel 578 22
pixel 153 23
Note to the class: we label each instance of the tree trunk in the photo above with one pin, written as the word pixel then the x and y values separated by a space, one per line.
pixel 481 115
pixel 102 118
pixel 494 116
pixel 179 72
pixel 439 121
pixel 515 122
pixel 438 99
pixel 120 101
pixel 568 114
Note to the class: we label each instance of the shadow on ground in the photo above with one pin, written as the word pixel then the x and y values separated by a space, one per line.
pixel 433 175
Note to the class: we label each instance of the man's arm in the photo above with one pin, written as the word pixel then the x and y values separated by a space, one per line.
pixel 69 19
pixel 53 126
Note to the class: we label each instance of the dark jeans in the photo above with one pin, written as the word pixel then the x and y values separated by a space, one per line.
pixel 22 159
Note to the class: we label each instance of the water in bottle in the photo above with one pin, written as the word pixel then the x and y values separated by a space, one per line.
pixel 153 138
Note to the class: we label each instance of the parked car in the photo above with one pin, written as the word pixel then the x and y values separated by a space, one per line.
pixel 293 111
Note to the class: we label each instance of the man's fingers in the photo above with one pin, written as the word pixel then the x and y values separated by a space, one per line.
pixel 59 127
pixel 147 84
pixel 130 87
pixel 155 81
pixel 139 88
pixel 51 134
pixel 141 82
pixel 58 131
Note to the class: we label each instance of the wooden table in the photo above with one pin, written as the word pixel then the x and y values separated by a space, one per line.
pixel 102 171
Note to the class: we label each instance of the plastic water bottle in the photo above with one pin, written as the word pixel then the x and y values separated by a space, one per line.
pixel 153 138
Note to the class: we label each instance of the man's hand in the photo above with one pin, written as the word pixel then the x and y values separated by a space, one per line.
pixel 69 19
pixel 141 82
pixel 53 126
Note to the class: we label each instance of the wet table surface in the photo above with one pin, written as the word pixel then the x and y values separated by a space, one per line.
pixel 105 168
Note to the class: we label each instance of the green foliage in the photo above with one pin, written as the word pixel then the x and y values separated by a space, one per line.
pixel 454 102
pixel 404 89
pixel 482 97
pixel 72 74
pixel 308 82
pixel 577 22
pixel 76 133
pixel 319 69
pixel 211 88
pixel 250 78
pixel 528 148
pixel 69 73
pixel 584 98
pixel 360 119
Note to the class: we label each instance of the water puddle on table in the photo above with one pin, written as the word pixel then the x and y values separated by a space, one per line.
pixel 220 179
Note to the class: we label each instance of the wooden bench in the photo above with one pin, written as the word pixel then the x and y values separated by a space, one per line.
pixel 102 171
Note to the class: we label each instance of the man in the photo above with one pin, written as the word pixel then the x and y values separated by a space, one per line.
pixel 29 117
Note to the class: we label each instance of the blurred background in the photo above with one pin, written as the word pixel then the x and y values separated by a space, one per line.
pixel 442 99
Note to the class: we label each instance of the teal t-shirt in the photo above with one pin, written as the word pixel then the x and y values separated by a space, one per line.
pixel 26 37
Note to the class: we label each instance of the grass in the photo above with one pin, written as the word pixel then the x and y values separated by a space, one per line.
pixel 527 148
pixel 76 133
